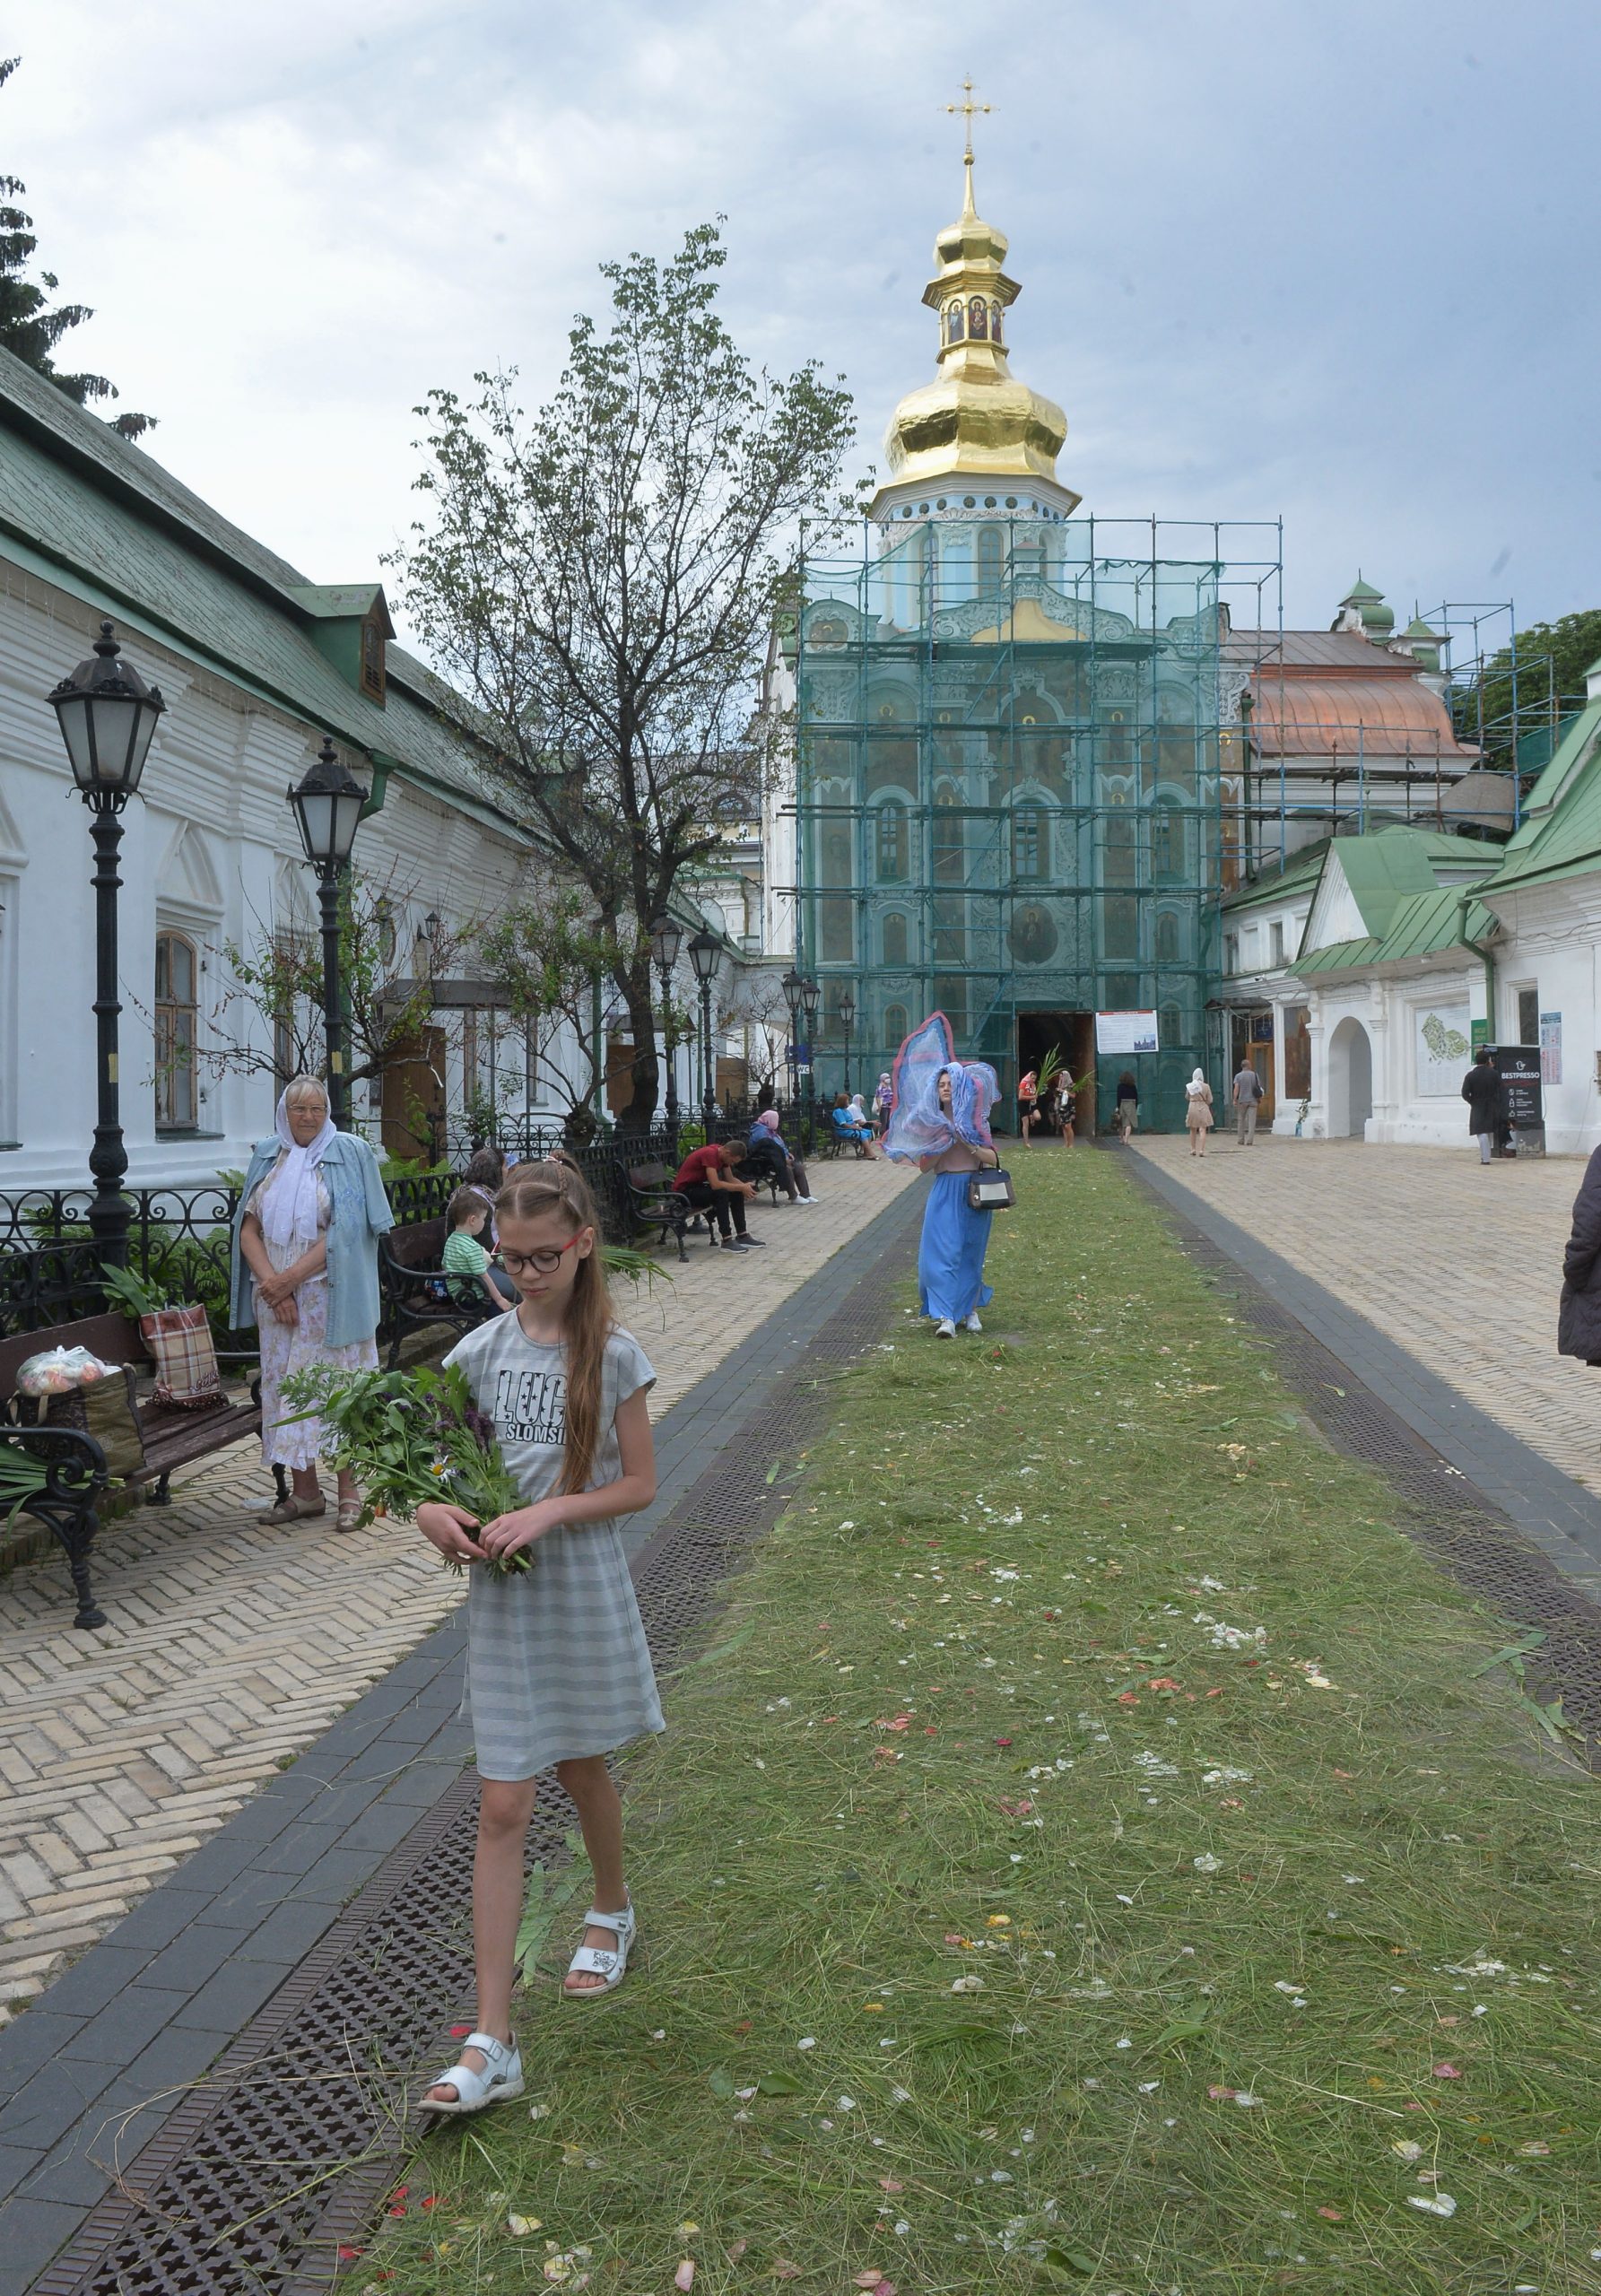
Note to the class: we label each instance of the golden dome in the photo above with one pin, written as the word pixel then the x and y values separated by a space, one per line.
pixel 975 419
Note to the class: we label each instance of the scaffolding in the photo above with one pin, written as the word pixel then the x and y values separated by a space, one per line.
pixel 1357 775
pixel 1019 784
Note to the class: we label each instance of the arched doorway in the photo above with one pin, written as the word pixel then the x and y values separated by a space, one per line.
pixel 1350 1079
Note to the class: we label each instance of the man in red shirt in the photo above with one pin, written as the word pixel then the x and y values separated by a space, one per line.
pixel 706 1179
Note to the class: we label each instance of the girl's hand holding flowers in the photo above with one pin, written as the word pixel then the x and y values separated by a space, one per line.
pixel 508 1534
pixel 450 1529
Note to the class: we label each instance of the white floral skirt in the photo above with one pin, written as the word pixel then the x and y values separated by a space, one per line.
pixel 290 1347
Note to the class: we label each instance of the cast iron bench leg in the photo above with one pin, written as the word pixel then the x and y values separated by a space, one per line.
pixel 160 1493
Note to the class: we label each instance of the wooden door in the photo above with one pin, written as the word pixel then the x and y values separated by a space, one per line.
pixel 413 1100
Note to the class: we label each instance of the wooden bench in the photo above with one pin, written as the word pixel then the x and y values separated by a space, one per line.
pixel 653 1203
pixel 837 1141
pixel 77 1477
pixel 417 1292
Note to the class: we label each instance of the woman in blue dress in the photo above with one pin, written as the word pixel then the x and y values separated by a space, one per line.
pixel 940 1121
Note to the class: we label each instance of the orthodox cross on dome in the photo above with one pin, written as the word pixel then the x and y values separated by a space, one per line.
pixel 967 110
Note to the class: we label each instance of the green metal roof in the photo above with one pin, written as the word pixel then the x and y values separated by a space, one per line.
pixel 1560 831
pixel 1420 925
pixel 94 514
pixel 1299 872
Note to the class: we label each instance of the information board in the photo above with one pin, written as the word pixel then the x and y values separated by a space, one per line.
pixel 1523 1104
pixel 1125 1032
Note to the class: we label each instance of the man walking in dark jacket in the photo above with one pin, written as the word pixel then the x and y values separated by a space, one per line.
pixel 1481 1089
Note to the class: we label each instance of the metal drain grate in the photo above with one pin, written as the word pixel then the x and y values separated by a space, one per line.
pixel 282 2154
pixel 1441 1508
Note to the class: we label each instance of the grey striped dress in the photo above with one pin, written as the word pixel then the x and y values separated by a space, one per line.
pixel 557 1662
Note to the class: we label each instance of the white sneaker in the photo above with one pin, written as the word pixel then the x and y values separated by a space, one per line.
pixel 806 1201
pixel 945 1328
pixel 972 1323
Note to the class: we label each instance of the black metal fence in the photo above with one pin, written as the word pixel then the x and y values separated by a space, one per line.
pixel 179 1238
pixel 179 1242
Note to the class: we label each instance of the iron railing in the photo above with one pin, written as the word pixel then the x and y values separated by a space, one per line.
pixel 179 1240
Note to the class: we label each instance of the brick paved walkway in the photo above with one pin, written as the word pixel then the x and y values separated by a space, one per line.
pixel 230 1646
pixel 1457 1263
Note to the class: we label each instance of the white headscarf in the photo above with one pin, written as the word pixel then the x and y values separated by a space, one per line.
pixel 288 1201
pixel 1196 1084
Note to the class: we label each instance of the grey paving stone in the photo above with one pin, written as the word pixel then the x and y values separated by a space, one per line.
pixel 225 2004
pixel 128 2024
pixel 338 1874
pixel 289 1933
pixel 47 2104
pixel 218 1862
pixel 16 2162
pixel 98 1977
pixel 32 2040
pixel 67 2175
pixel 297 1849
pixel 34 2231
pixel 249 1900
pixel 165 1914
pixel 186 1963
pixel 381 1827
pixel 424 1782
pixel 127 2114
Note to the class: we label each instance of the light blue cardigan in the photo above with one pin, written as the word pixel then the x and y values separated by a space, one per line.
pixel 360 1215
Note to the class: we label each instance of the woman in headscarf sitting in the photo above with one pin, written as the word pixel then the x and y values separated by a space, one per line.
pixel 767 1150
pixel 848 1125
pixel 305 1271
pixel 942 1125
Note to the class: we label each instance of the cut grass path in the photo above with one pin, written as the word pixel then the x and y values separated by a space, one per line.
pixel 1087 1858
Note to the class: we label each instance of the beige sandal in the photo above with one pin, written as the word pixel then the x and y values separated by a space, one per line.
pixel 350 1514
pixel 295 1510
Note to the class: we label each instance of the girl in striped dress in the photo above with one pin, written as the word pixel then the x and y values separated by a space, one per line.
pixel 558 1670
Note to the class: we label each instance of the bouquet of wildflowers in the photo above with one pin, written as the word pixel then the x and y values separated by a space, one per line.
pixel 409 1437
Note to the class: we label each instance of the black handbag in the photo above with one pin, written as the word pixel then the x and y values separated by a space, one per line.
pixel 990 1191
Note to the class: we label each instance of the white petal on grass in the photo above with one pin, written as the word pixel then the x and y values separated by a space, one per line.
pixel 1435 2203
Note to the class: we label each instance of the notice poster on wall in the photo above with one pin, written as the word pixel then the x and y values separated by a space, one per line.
pixel 1550 1047
pixel 1444 1046
pixel 1125 1032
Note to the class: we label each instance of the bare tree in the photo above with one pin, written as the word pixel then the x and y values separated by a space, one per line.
pixel 600 582
pixel 269 1017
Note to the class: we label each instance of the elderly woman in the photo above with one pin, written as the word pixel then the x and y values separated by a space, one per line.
pixel 305 1271
pixel 767 1151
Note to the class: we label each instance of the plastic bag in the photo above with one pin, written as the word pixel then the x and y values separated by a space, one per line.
pixel 60 1371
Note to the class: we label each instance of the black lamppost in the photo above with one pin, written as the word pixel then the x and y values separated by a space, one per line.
pixel 666 940
pixel 846 1016
pixel 792 984
pixel 108 717
pixel 327 807
pixel 705 951
pixel 811 996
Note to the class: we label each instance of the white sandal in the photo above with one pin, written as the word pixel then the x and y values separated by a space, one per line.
pixel 598 1960
pixel 500 2080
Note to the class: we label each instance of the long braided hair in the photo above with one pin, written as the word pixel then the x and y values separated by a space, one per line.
pixel 537 1191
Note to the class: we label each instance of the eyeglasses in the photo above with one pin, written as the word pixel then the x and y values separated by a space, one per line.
pixel 543 1263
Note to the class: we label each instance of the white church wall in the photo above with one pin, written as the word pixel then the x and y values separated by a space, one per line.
pixel 209 849
pixel 1553 946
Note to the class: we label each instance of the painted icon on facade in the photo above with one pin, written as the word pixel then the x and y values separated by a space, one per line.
pixel 1033 935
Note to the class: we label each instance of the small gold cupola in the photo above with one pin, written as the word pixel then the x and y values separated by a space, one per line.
pixel 975 419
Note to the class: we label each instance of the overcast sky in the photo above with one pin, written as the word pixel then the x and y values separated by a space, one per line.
pixel 1335 264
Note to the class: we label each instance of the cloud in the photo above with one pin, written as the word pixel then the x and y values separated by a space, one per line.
pixel 1273 260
